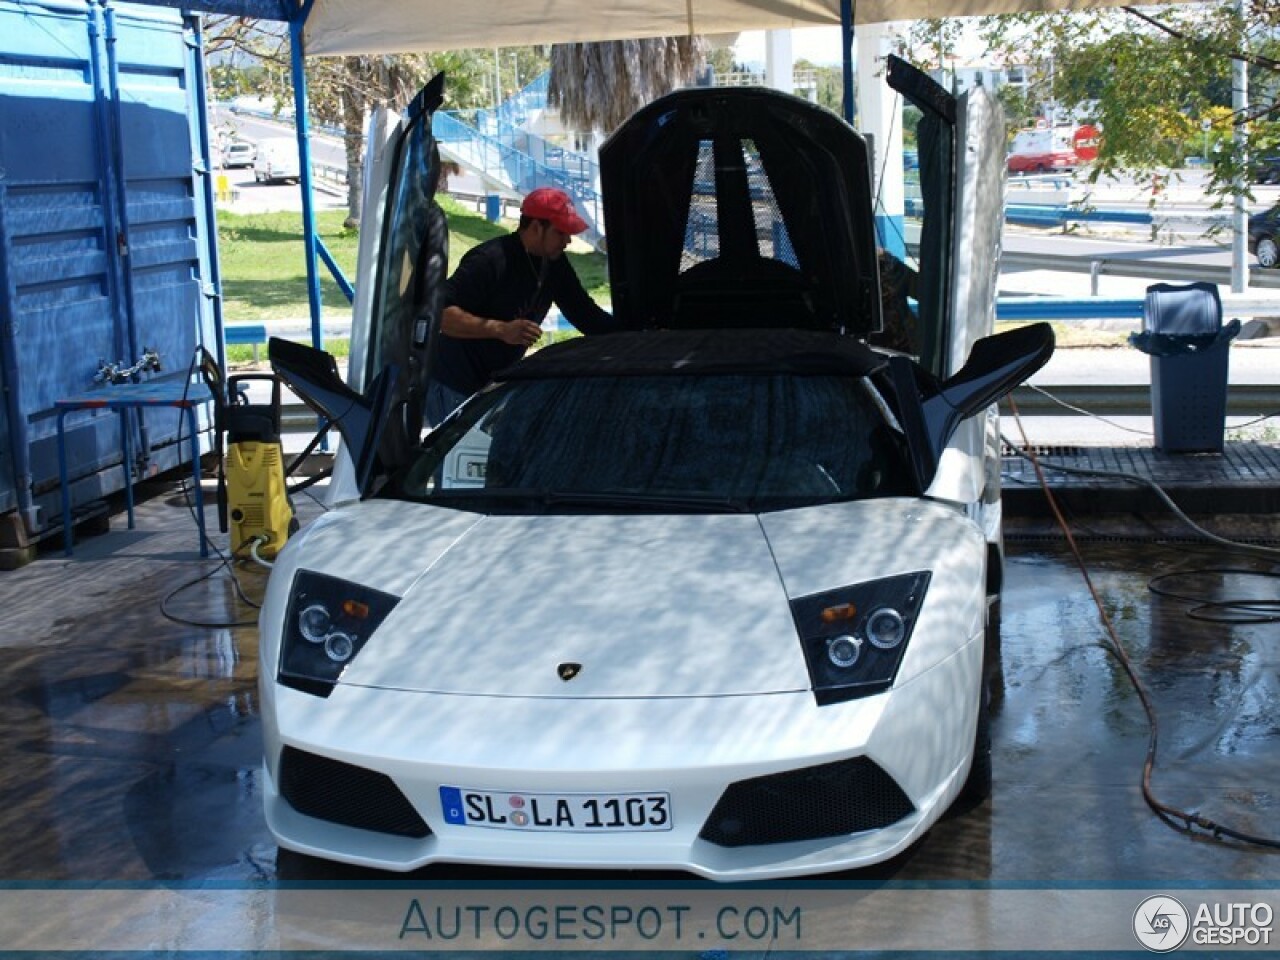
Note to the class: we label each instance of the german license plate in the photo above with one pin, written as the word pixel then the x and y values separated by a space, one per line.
pixel 564 812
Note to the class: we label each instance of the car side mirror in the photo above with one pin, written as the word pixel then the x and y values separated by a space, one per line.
pixel 996 365
pixel 931 411
pixel 313 375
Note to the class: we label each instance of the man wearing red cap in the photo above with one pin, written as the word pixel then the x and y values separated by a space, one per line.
pixel 499 295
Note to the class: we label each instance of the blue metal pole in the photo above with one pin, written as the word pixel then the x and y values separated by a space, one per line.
pixel 846 41
pixel 113 240
pixel 335 271
pixel 123 233
pixel 303 127
pixel 116 146
pixel 213 281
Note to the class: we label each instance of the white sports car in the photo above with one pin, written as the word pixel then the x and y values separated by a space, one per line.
pixel 710 594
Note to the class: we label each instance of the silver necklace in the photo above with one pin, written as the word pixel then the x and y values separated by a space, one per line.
pixel 537 273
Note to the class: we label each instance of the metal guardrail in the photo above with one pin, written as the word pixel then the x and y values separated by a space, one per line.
pixel 327 173
pixel 1133 400
pixel 1054 215
pixel 1148 269
pixel 1061 308
pixel 1116 308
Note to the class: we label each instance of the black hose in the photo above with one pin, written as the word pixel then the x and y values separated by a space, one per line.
pixel 1171 815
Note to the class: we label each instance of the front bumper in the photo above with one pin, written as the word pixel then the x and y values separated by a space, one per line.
pixel 920 735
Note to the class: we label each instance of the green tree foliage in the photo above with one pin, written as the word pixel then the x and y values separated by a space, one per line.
pixel 932 46
pixel 1152 79
pixel 720 59
pixel 829 82
pixel 1020 108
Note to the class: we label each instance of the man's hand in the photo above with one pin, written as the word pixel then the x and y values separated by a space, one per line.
pixel 519 332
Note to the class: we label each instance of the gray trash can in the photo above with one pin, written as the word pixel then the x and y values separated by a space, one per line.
pixel 1182 331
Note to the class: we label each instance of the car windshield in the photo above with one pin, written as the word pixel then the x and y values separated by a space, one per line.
pixel 693 443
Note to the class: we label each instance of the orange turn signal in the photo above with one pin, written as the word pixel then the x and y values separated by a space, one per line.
pixel 356 609
pixel 843 611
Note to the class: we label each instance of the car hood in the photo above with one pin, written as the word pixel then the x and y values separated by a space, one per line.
pixel 722 202
pixel 495 605
pixel 638 603
pixel 648 606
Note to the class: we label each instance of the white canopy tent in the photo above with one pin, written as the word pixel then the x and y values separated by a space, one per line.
pixel 398 26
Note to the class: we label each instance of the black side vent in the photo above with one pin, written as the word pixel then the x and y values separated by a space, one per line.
pixel 831 800
pixel 352 796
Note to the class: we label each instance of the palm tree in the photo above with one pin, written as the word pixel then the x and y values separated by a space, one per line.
pixel 596 86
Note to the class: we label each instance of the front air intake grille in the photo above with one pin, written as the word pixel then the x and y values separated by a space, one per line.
pixel 352 796
pixel 830 800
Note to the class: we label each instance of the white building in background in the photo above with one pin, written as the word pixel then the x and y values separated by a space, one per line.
pixel 959 75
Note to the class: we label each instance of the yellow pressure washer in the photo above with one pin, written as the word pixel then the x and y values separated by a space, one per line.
pixel 252 494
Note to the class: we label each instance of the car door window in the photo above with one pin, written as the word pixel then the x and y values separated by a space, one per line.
pixel 930 220
pixel 404 252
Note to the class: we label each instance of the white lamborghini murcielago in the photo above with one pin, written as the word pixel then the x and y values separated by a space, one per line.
pixel 711 594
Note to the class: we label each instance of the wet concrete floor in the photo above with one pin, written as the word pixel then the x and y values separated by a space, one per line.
pixel 130 744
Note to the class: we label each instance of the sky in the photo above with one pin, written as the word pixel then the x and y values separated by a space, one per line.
pixel 818 45
pixel 821 45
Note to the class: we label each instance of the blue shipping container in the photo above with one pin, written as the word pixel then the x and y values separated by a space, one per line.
pixel 107 244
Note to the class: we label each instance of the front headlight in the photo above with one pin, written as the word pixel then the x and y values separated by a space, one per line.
pixel 328 622
pixel 854 637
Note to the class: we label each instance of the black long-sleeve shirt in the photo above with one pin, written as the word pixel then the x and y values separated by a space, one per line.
pixel 499 279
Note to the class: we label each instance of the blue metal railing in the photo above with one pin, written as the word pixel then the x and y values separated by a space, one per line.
pixel 1049 214
pixel 576 165
pixel 1054 215
pixel 495 143
pixel 1064 308
pixel 531 99
pixel 506 154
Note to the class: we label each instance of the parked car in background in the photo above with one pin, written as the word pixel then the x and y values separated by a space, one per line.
pixel 277 159
pixel 238 153
pixel 1043 151
pixel 1266 169
pixel 1264 237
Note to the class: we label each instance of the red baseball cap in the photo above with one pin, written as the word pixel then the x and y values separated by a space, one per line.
pixel 548 203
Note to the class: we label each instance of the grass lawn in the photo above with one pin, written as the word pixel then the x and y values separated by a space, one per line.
pixel 264 274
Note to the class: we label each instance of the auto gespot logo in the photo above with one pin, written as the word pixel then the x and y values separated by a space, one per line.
pixel 1161 923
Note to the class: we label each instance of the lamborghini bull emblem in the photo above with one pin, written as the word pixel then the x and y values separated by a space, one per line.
pixel 567 671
